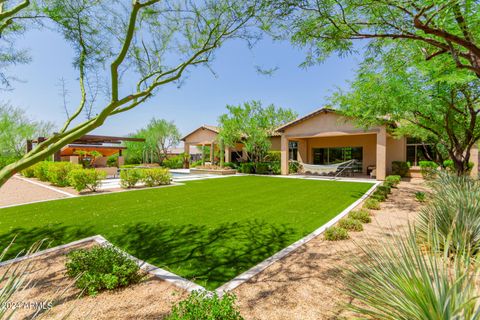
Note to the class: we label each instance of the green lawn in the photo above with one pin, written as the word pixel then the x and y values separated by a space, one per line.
pixel 208 231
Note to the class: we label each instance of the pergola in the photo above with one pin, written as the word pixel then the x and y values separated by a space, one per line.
pixel 106 145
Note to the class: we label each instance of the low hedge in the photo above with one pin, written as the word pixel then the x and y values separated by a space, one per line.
pixel 400 168
pixel 428 169
pixel 86 179
pixel 372 204
pixel 361 215
pixel 336 234
pixel 101 268
pixel 392 181
pixel 200 306
pixel 57 172
pixel 350 224
pixel 156 177
pixel 41 170
pixel 130 177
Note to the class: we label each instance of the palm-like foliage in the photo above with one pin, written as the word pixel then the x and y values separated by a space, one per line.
pixel 400 280
pixel 14 279
pixel 453 213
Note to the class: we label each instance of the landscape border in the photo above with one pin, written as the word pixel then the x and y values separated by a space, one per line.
pixel 190 285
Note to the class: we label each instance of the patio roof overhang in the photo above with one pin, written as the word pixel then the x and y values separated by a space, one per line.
pixel 106 151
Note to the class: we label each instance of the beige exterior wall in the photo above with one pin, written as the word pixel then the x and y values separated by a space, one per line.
pixel 201 136
pixel 367 141
pixel 276 143
pixel 329 129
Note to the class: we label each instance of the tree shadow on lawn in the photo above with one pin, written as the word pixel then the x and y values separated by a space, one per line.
pixel 208 255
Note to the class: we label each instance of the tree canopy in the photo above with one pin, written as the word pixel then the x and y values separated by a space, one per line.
pixel 15 128
pixel 252 125
pixel 442 29
pixel 160 137
pixel 441 108
pixel 152 42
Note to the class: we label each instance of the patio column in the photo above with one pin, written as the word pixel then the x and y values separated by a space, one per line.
pixel 381 166
pixel 121 161
pixel 302 151
pixel 227 154
pixel 212 153
pixel 244 154
pixel 284 155
pixel 186 150
pixel 474 160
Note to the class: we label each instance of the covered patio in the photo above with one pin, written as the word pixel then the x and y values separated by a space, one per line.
pixel 323 137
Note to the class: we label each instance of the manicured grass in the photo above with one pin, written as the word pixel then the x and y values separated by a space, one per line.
pixel 208 231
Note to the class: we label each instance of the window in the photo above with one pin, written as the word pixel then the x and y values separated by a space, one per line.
pixel 292 150
pixel 418 151
pixel 337 155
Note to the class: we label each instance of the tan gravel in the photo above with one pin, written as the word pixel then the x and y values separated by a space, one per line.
pixel 17 191
pixel 308 283
pixel 305 285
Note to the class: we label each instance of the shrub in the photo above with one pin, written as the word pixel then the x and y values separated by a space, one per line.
pixel 246 167
pixel 372 204
pixel 428 169
pixel 452 214
pixel 130 177
pixel 6 160
pixel 101 268
pixel 450 166
pixel 58 172
pixel 273 156
pixel 361 215
pixel 400 168
pixel 392 180
pixel 420 196
pixel 199 306
pixel 175 162
pixel 41 170
pixel 350 224
pixel 199 163
pixel 293 167
pixel 336 234
pixel 112 161
pixel 230 165
pixel 156 177
pixel 385 189
pixel 86 179
pixel 399 280
pixel 275 167
pixel 28 172
pixel 262 168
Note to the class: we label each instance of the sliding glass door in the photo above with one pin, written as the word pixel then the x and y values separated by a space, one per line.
pixel 337 155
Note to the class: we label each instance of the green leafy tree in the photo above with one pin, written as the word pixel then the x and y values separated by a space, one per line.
pixel 439 106
pixel 160 136
pixel 152 42
pixel 16 128
pixel 13 17
pixel 444 30
pixel 252 125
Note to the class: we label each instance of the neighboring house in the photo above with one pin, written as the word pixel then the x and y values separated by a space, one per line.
pixel 325 137
pixel 195 152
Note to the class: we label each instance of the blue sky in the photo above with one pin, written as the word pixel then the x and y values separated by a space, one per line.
pixel 203 96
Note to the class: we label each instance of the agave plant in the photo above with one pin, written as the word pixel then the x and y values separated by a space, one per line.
pixel 453 213
pixel 400 280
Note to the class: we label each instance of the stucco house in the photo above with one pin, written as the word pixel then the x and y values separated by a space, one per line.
pixel 324 137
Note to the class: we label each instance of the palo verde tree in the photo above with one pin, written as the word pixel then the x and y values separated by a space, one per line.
pixel 428 101
pixel 151 41
pixel 445 29
pixel 252 125
pixel 160 136
pixel 14 16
